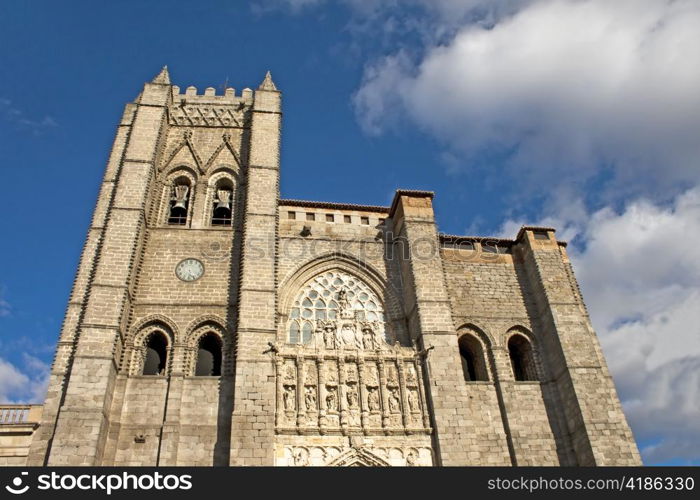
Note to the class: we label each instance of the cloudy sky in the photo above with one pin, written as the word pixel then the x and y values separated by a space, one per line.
pixel 582 114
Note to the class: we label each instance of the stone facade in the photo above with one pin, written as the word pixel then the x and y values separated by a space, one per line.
pixel 343 334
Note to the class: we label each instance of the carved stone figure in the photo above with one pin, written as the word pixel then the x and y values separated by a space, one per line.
pixel 290 373
pixel 301 457
pixel 352 396
pixel 329 336
pixel 411 374
pixel 288 397
pixel 412 457
pixel 394 403
pixel 310 398
pixel 373 399
pixel 413 403
pixel 331 399
pixel 346 311
pixel 367 338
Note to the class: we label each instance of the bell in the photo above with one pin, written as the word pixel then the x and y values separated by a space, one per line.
pixel 181 196
pixel 223 199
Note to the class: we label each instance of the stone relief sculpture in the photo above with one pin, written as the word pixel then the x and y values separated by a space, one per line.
pixel 413 403
pixel 289 398
pixel 394 403
pixel 373 399
pixel 352 396
pixel 310 398
pixel 337 310
pixel 331 399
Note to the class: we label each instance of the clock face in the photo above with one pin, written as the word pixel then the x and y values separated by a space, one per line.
pixel 189 270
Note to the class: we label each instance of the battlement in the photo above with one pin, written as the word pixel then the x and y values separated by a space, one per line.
pixel 190 96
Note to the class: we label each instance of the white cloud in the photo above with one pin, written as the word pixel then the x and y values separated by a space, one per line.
pixel 27 385
pixel 561 89
pixel 640 277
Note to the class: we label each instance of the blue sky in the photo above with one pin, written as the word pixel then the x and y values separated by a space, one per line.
pixel 581 114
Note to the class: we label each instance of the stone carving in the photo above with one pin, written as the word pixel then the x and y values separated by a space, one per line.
pixel 301 457
pixel 203 114
pixel 310 398
pixel 356 455
pixel 352 396
pixel 412 457
pixel 373 399
pixel 290 374
pixel 394 403
pixel 331 399
pixel 391 375
pixel 413 403
pixel 411 376
pixel 340 311
pixel 289 398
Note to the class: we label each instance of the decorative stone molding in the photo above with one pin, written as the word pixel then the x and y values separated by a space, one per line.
pixel 365 456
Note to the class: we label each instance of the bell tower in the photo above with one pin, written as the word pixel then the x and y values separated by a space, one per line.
pixel 169 286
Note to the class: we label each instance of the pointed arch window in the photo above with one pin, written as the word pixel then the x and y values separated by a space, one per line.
pixel 522 359
pixel 327 297
pixel 208 356
pixel 222 209
pixel 156 354
pixel 179 201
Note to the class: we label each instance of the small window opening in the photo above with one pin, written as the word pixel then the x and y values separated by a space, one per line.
pixel 156 355
pixel 208 357
pixel 222 213
pixel 521 358
pixel 310 216
pixel 330 218
pixel 473 361
pixel 291 215
pixel 347 219
pixel 364 220
pixel 179 202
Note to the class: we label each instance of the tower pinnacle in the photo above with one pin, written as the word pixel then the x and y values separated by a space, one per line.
pixel 267 83
pixel 162 77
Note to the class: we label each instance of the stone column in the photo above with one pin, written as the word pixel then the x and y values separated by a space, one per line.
pixel 362 393
pixel 321 395
pixel 384 394
pixel 405 408
pixel 301 407
pixel 253 422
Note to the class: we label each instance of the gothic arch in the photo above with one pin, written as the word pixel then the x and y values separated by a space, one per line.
pixel 168 178
pixel 297 278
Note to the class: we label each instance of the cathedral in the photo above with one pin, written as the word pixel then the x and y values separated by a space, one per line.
pixel 212 322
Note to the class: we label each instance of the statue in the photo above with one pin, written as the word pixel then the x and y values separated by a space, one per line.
pixel 331 400
pixel 413 403
pixel 288 397
pixel 329 336
pixel 394 404
pixel 310 398
pixel 373 399
pixel 412 457
pixel 352 397
pixel 367 338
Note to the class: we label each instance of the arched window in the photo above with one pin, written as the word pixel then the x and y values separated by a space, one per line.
pixel 340 298
pixel 521 358
pixel 208 356
pixel 179 201
pixel 473 361
pixel 222 211
pixel 156 354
